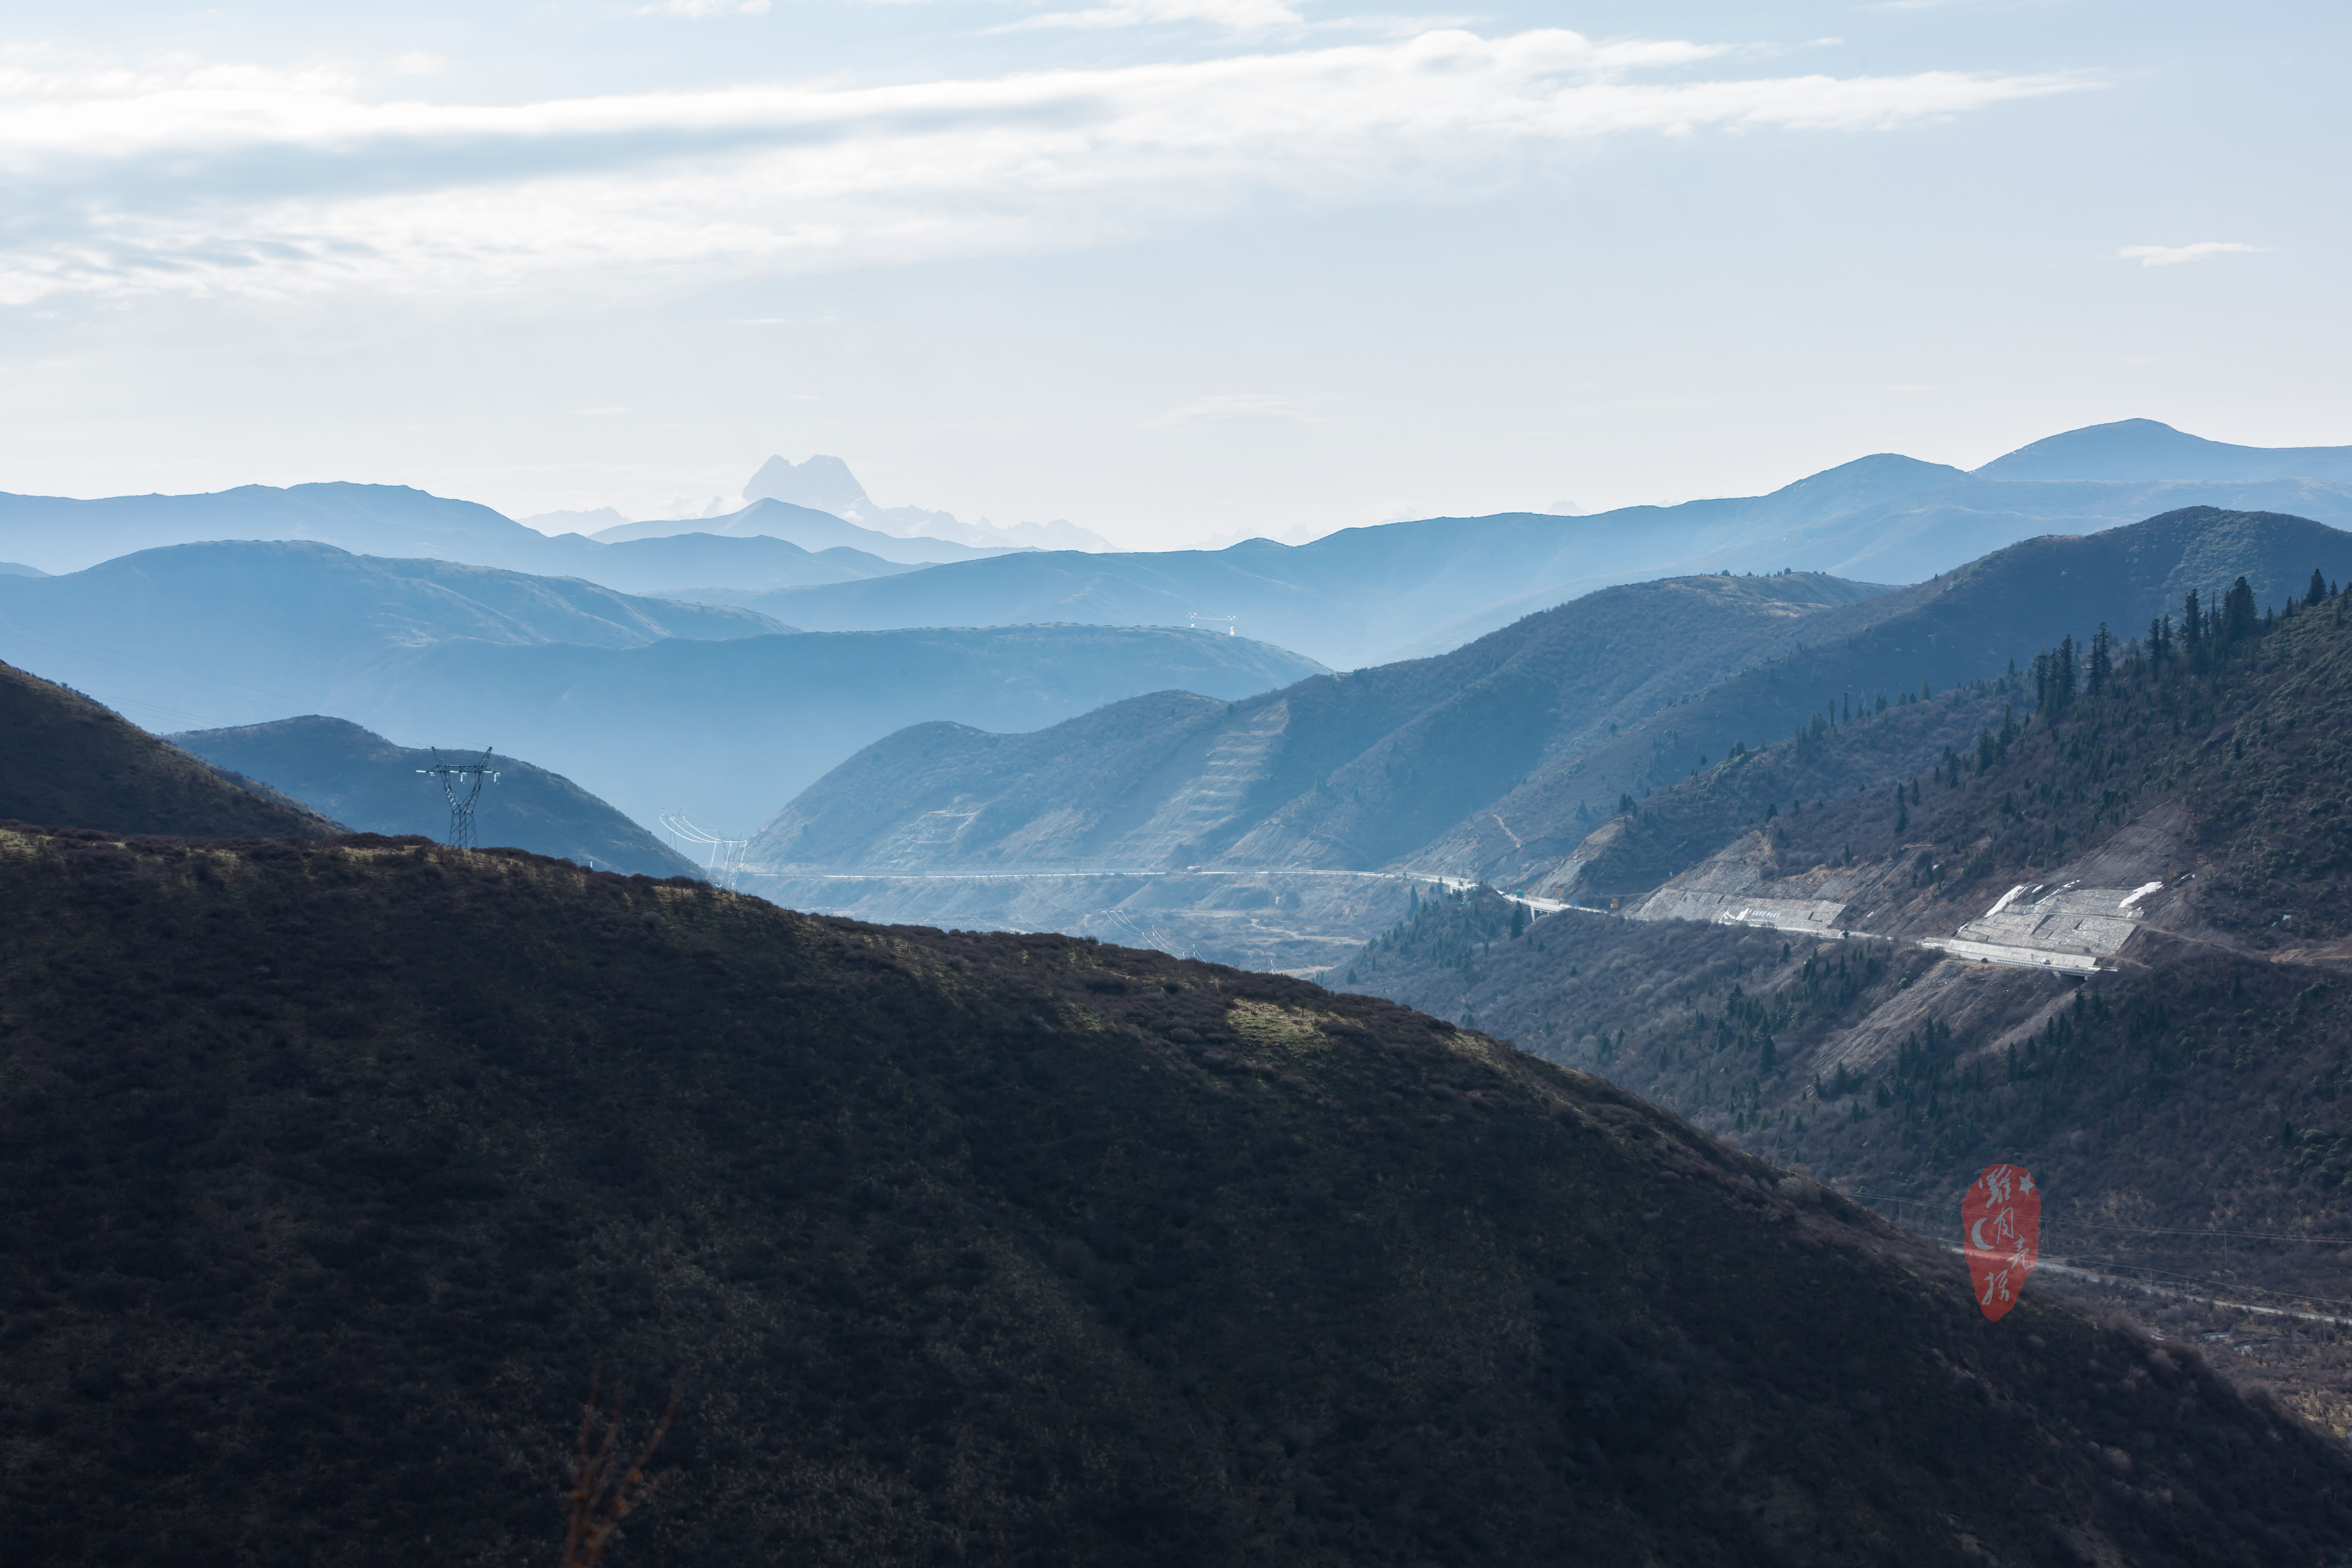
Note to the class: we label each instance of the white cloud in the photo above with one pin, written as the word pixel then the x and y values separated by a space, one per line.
pixel 1232 408
pixel 706 9
pixel 2173 255
pixel 1245 17
pixel 416 62
pixel 236 180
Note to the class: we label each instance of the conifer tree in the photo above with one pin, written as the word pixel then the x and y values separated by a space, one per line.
pixel 2318 591
pixel 2238 620
pixel 2102 659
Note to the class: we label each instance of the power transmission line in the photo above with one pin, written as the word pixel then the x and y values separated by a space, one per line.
pixel 462 783
pixel 722 858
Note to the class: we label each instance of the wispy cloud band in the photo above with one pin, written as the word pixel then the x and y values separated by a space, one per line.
pixel 2174 255
pixel 232 180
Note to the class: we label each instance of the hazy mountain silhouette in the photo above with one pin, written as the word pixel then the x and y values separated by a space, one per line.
pixel 723 730
pixel 730 567
pixel 622 695
pixel 1384 758
pixel 827 484
pixel 809 529
pixel 824 483
pixel 1495 761
pixel 66 761
pixel 58 534
pixel 1367 596
pixel 574 521
pixel 370 786
pixel 243 632
pixel 1353 598
pixel 334 1170
pixel 2144 449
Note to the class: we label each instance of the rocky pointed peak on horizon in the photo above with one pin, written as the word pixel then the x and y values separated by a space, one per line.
pixel 823 482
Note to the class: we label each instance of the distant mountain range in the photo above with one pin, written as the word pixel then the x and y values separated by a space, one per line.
pixel 827 484
pixel 231 633
pixel 370 786
pixel 1358 597
pixel 56 535
pixel 807 527
pixel 652 704
pixel 1493 761
pixel 1367 596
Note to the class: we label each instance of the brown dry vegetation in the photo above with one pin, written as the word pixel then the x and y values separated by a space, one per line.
pixel 331 1166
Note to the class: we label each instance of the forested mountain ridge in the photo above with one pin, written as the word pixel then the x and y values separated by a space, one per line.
pixel 2209 742
pixel 1018 1248
pixel 1977 622
pixel 67 761
pixel 1347 771
pixel 2184 1109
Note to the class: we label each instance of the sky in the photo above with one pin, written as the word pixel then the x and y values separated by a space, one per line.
pixel 1176 270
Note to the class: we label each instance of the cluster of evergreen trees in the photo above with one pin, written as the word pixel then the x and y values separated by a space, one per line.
pixel 2208 634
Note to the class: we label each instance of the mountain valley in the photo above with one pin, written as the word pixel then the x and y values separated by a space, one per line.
pixel 1686 946
pixel 1497 762
pixel 651 704
pixel 2090 917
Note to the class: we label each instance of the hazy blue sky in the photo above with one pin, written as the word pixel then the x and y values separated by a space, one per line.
pixel 1170 268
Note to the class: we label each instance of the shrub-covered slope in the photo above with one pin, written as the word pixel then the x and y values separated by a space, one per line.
pixel 66 761
pixel 2187 1110
pixel 373 787
pixel 334 1170
pixel 2220 752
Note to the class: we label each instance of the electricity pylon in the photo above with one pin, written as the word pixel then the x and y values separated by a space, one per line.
pixel 462 783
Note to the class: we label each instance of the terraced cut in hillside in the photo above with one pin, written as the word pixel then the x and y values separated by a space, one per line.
pixel 335 1169
pixel 1499 759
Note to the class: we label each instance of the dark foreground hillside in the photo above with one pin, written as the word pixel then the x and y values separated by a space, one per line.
pixel 65 761
pixel 334 1169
